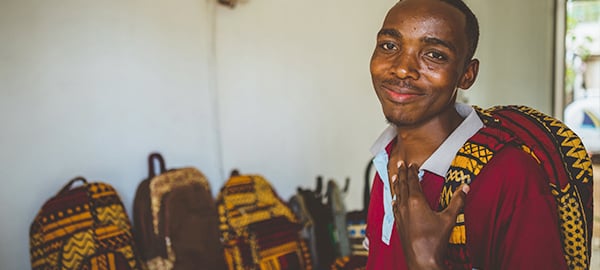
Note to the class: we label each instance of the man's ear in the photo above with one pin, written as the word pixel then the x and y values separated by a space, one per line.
pixel 468 78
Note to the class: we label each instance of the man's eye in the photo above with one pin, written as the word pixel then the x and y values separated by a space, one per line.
pixel 388 46
pixel 436 55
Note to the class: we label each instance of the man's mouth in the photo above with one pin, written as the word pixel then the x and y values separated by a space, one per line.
pixel 400 94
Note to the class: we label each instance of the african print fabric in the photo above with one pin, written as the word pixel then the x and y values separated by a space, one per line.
pixel 258 229
pixel 83 228
pixel 557 149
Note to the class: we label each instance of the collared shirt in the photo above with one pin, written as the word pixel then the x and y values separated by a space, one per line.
pixel 438 163
pixel 510 214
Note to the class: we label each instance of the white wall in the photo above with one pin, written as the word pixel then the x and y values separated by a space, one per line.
pixel 90 88
pixel 279 88
pixel 295 91
pixel 516 53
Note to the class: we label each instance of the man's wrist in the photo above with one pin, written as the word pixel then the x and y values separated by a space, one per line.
pixel 426 264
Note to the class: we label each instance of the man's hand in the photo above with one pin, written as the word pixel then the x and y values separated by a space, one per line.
pixel 423 232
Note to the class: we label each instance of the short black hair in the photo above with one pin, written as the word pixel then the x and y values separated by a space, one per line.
pixel 472 25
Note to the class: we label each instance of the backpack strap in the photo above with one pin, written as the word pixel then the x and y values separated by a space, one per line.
pixel 469 161
pixel 560 153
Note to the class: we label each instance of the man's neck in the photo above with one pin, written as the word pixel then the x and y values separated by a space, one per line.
pixel 415 144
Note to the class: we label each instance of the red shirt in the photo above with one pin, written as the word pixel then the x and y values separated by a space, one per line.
pixel 510 217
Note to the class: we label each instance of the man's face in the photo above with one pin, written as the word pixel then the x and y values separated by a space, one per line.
pixel 419 61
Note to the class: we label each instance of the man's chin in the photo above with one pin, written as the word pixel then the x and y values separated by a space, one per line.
pixel 396 122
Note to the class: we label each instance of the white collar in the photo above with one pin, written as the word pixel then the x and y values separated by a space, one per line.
pixel 439 162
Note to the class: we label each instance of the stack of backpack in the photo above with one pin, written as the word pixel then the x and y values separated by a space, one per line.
pixel 326 222
pixel 178 224
pixel 83 227
pixel 322 244
pixel 258 229
pixel 175 219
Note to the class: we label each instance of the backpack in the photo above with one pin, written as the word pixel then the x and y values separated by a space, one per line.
pixel 557 149
pixel 258 229
pixel 337 207
pixel 325 216
pixel 83 227
pixel 175 219
pixel 356 226
pixel 305 218
pixel 314 202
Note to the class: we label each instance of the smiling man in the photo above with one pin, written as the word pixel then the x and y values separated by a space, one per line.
pixel 424 55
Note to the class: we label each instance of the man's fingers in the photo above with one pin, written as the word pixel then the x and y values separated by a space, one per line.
pixel 401 184
pixel 458 201
pixel 393 190
pixel 414 187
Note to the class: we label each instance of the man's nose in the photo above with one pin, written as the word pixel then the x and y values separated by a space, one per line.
pixel 406 66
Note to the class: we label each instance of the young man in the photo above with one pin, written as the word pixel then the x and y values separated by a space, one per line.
pixel 424 54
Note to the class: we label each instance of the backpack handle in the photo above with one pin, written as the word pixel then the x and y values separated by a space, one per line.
pixel 67 187
pixel 367 187
pixel 161 163
pixel 319 187
pixel 346 185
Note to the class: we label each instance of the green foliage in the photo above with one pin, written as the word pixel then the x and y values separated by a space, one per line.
pixel 578 12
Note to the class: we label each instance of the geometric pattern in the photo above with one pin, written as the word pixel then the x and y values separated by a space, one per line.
pixel 557 149
pixel 82 227
pixel 246 201
pixel 469 161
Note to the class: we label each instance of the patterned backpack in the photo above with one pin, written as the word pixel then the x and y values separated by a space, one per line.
pixel 175 219
pixel 258 229
pixel 561 154
pixel 83 227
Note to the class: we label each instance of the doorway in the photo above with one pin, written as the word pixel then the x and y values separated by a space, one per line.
pixel 577 82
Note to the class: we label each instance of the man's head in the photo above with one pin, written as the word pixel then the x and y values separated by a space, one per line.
pixel 471 27
pixel 423 55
